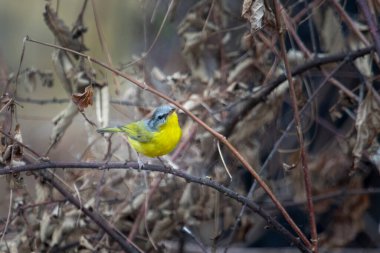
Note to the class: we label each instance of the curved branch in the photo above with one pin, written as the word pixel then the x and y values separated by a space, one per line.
pixel 156 168
pixel 216 134
pixel 127 246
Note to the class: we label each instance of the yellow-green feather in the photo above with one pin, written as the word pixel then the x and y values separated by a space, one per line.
pixel 149 138
pixel 162 141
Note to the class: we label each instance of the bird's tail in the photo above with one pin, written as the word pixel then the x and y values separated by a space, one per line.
pixel 109 130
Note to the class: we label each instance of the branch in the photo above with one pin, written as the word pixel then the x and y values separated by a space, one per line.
pixel 277 144
pixel 156 168
pixel 297 121
pixel 93 215
pixel 216 134
pixel 66 100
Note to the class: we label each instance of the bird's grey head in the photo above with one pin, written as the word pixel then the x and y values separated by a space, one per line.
pixel 159 116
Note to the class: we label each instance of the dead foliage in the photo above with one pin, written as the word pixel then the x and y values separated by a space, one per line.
pixel 224 68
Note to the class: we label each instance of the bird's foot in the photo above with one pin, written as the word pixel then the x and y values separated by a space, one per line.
pixel 140 162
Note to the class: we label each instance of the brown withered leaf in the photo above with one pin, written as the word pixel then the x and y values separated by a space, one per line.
pixel 330 29
pixel 367 125
pixel 18 150
pixel 83 100
pixel 13 155
pixel 253 11
pixel 61 31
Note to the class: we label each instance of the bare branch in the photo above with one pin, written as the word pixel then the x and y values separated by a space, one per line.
pixel 157 168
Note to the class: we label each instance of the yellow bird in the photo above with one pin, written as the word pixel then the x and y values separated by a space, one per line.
pixel 153 137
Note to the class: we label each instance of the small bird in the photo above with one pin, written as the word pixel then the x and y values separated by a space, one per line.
pixel 155 136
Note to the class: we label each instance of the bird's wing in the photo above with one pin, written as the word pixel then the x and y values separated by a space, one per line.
pixel 138 131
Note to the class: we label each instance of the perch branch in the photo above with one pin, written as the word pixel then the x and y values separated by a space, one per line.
pixel 157 168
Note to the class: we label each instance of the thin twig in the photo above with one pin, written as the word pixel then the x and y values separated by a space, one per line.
pixel 87 119
pixel 223 162
pixel 145 54
pixel 305 50
pixel 146 209
pixel 346 18
pixel 297 119
pixel 103 44
pixel 19 68
pixel 188 232
pixel 143 209
pixel 66 100
pixel 208 15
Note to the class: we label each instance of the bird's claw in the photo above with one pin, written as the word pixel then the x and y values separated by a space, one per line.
pixel 141 164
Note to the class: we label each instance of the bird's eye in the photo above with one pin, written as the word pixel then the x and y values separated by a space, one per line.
pixel 160 117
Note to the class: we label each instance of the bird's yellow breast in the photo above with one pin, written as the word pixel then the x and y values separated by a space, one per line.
pixel 162 141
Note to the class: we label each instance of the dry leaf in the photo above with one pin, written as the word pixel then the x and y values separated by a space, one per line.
pixel 364 63
pixel 374 155
pixel 253 11
pixel 18 150
pixel 84 242
pixel 330 30
pixel 83 100
pixel 367 125
pixel 13 155
pixel 194 31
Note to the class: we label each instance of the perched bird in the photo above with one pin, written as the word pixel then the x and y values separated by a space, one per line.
pixel 155 136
